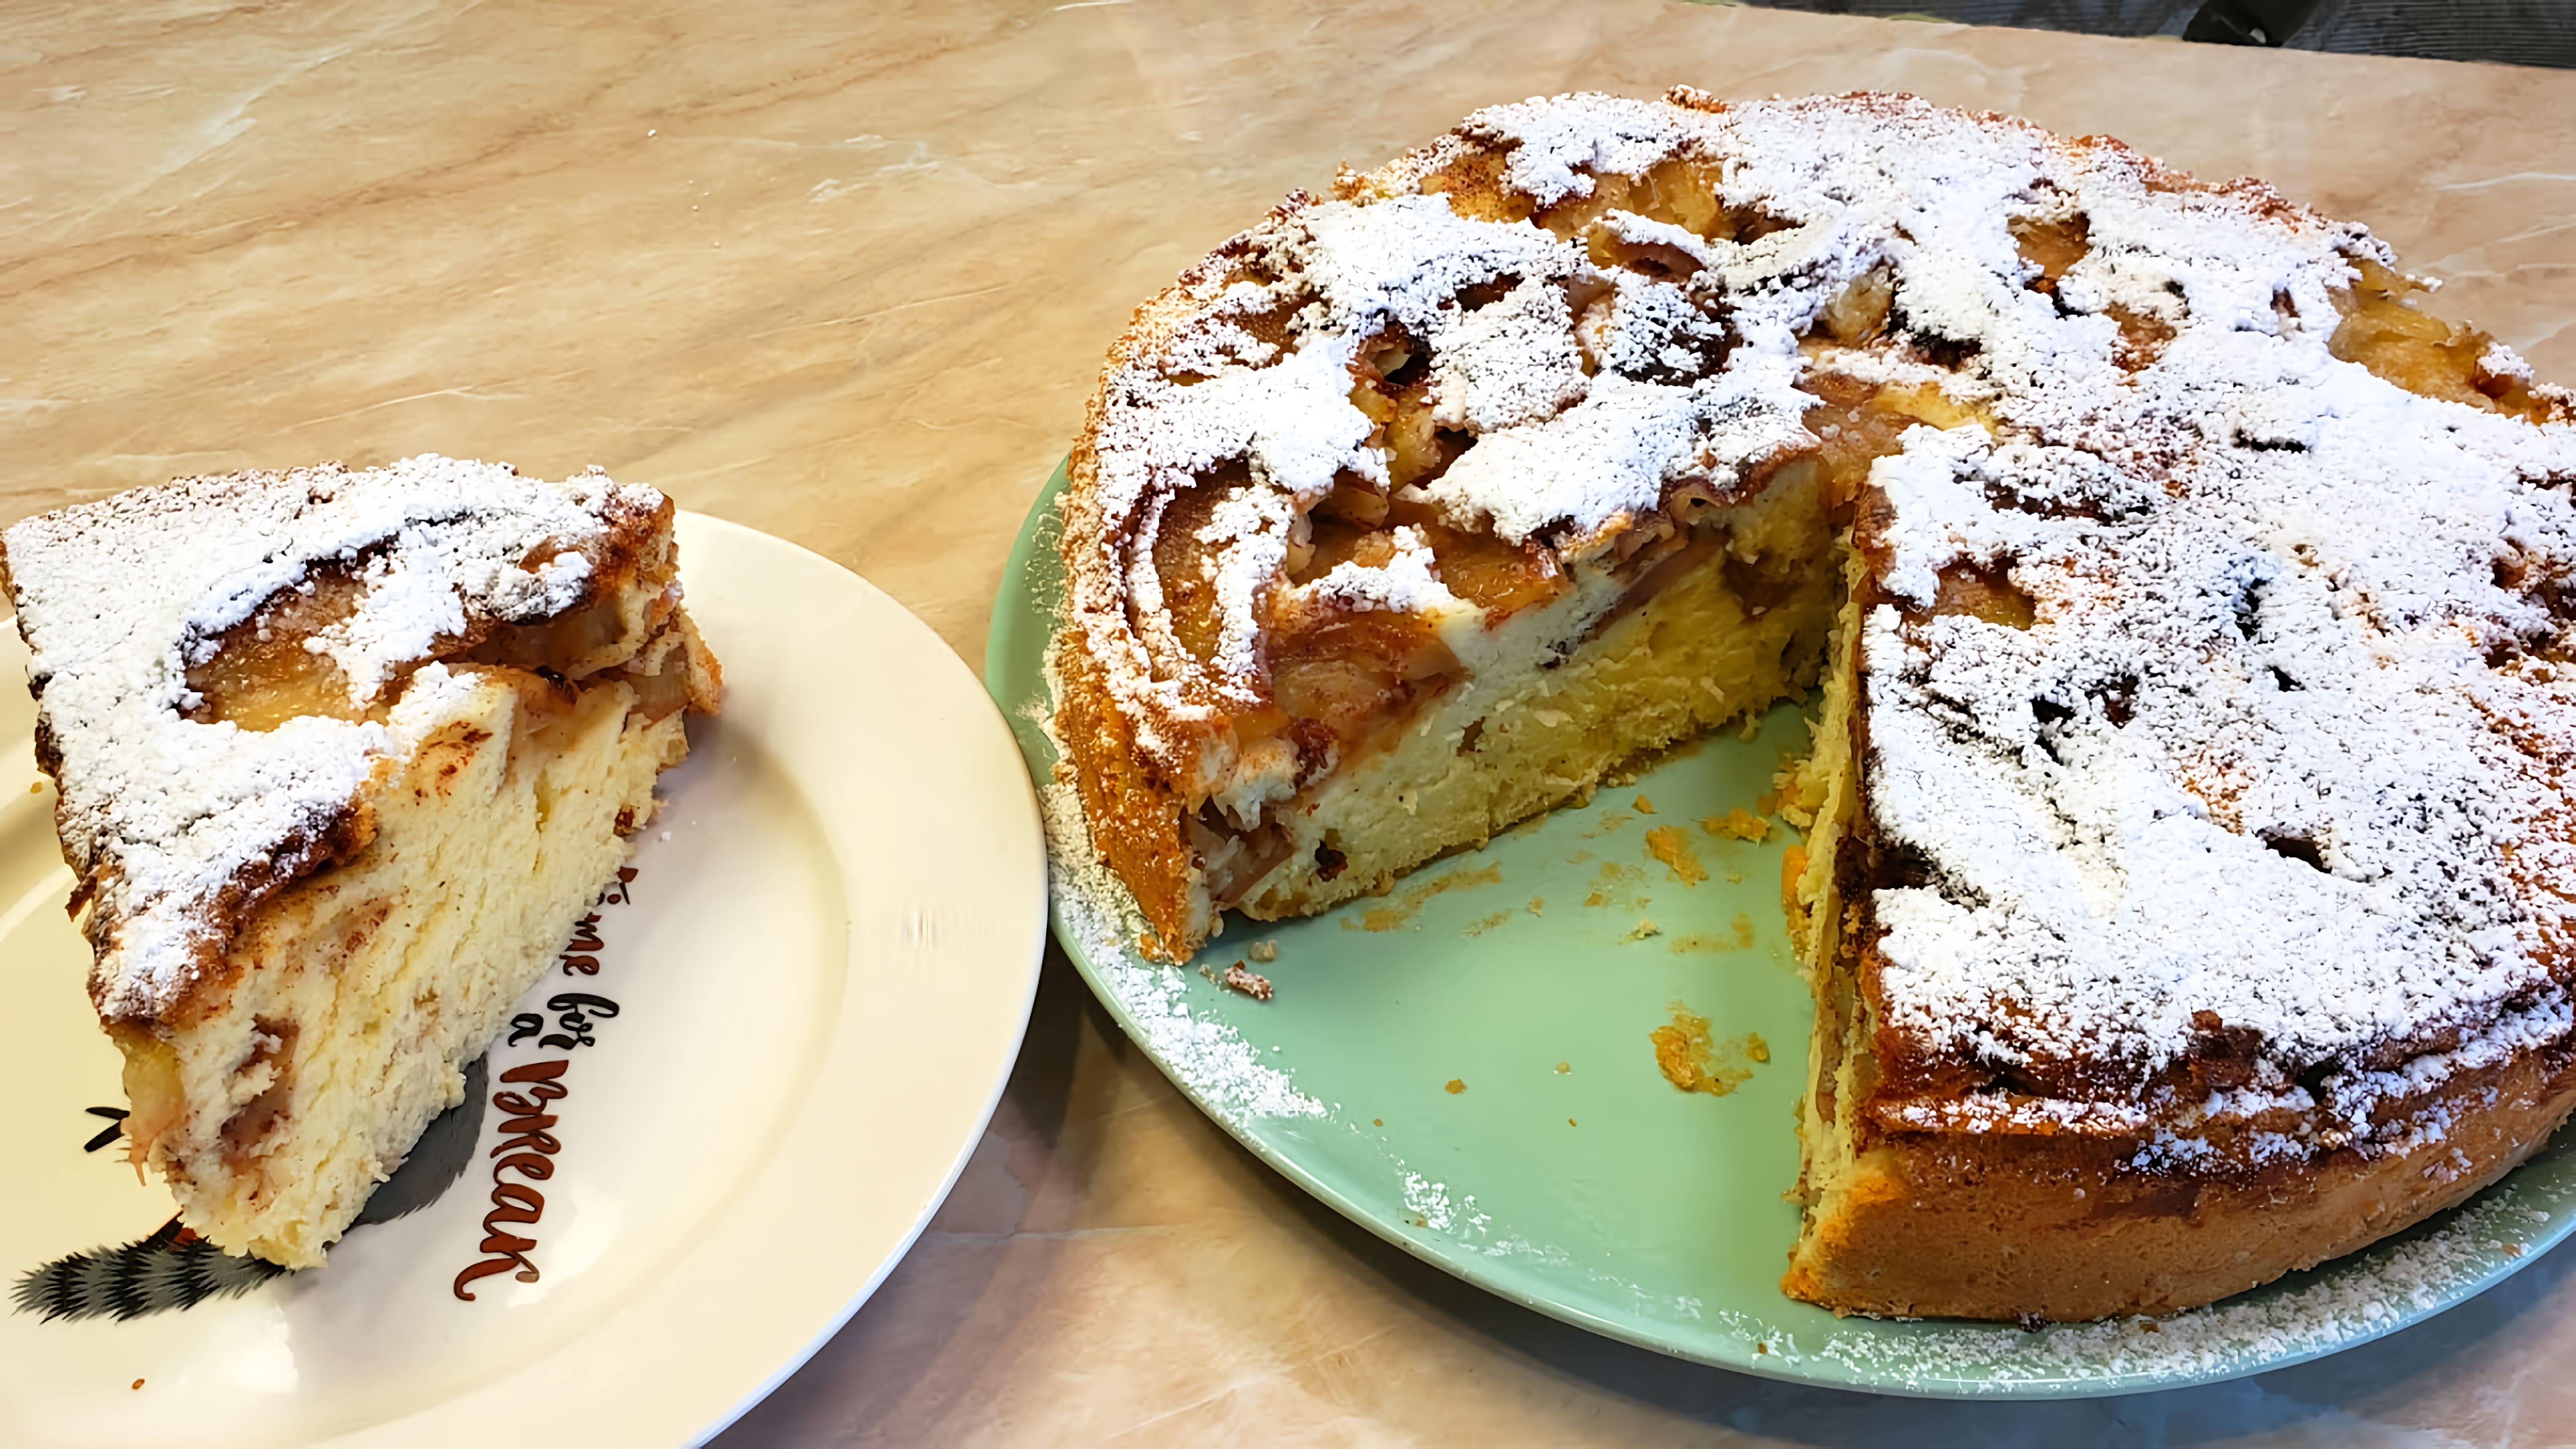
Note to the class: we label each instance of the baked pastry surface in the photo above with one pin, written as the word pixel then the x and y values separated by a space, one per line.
pixel 342 758
pixel 2185 902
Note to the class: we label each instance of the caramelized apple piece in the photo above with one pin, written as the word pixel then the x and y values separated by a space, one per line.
pixel 1475 187
pixel 1357 674
pixel 2052 246
pixel 1858 423
pixel 1498 577
pixel 1233 859
pixel 1391 385
pixel 1678 192
pixel 1923 402
pixel 263 671
pixel 2142 335
pixel 261 675
pixel 1181 562
pixel 1660 260
pixel 2421 353
pixel 1354 502
pixel 1860 313
pixel 561 645
pixel 1684 194
pixel 1985 594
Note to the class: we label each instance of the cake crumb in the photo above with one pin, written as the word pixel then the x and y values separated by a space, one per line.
pixel 138 1383
pixel 1569 1121
pixel 1741 938
pixel 1644 929
pixel 1250 983
pixel 1564 1067
pixel 1645 806
pixel 1456 1085
pixel 1377 1121
pixel 1618 885
pixel 1667 844
pixel 1388 918
pixel 1264 952
pixel 1687 1052
pixel 1480 927
pixel 1537 904
pixel 1739 824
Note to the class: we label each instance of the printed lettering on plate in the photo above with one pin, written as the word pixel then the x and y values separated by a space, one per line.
pixel 528 1144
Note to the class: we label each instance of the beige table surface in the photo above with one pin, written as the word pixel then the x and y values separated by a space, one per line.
pixel 843 272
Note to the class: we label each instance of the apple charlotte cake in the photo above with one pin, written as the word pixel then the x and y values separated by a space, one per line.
pixel 2187 895
pixel 342 756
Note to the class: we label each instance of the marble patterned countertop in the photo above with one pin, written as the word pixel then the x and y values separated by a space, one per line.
pixel 844 273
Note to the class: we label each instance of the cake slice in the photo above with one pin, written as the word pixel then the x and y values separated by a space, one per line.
pixel 342 757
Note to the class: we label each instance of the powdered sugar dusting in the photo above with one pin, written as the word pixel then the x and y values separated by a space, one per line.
pixel 117 598
pixel 1556 148
pixel 1405 583
pixel 2305 812
pixel 1602 457
pixel 2278 750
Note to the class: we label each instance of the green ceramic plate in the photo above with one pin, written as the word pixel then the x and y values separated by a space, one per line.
pixel 1464 1067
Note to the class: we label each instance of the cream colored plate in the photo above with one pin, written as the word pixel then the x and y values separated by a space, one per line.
pixel 821 979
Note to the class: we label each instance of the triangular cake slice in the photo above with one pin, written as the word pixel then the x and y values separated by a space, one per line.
pixel 342 757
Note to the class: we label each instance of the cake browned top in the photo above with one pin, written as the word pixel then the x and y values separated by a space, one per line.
pixel 2271 760
pixel 175 823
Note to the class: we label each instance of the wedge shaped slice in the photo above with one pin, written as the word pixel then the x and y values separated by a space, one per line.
pixel 342 757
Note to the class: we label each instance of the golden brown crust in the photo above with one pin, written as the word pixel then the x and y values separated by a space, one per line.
pixel 1135 819
pixel 1984 1226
